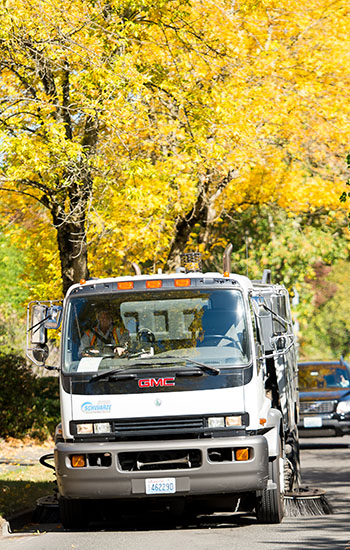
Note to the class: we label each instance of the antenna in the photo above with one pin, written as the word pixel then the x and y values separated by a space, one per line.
pixel 246 250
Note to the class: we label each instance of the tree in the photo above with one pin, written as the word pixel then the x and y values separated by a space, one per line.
pixel 260 120
pixel 132 122
pixel 327 332
pixel 48 140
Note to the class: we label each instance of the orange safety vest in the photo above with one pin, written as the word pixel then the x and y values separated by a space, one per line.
pixel 94 336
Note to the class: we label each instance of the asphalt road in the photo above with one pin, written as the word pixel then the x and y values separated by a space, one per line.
pixel 325 465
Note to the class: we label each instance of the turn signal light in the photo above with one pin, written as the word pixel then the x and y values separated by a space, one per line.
pixel 78 461
pixel 242 454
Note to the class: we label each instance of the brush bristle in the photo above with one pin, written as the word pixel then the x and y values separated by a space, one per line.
pixel 306 502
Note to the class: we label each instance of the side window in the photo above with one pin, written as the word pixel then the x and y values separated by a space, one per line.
pixel 254 323
pixel 257 336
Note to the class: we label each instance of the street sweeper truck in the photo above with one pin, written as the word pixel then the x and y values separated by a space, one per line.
pixel 176 389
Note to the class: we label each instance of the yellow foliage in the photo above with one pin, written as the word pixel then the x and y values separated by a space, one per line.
pixel 247 100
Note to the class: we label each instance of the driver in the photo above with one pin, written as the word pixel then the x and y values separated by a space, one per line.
pixel 105 333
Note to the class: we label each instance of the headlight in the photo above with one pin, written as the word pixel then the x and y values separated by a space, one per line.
pixel 233 420
pixel 343 407
pixel 97 428
pixel 84 429
pixel 224 421
pixel 102 428
pixel 216 422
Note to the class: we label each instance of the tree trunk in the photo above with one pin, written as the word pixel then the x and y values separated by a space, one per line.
pixel 203 213
pixel 72 247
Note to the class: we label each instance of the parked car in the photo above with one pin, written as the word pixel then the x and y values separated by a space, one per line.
pixel 324 391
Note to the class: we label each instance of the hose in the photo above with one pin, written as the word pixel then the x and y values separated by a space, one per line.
pixel 44 458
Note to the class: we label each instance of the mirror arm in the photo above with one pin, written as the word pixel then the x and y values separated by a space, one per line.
pixel 277 353
pixel 49 367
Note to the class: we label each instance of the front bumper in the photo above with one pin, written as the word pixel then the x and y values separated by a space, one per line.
pixel 323 426
pixel 207 478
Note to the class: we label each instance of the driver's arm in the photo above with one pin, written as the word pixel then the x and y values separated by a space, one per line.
pixel 85 342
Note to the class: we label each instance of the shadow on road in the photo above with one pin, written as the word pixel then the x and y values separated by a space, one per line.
pixel 319 533
pixel 148 521
pixel 309 444
pixel 325 464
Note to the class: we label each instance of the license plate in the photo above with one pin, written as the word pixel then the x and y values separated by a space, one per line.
pixel 313 422
pixel 160 486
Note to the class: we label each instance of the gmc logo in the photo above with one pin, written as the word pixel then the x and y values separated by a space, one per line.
pixel 156 382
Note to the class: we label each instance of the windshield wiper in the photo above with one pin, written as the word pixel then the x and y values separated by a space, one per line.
pixel 161 361
pixel 113 373
pixel 205 368
pixel 138 363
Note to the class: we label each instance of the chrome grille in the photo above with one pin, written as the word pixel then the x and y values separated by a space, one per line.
pixel 158 425
pixel 317 407
pixel 160 460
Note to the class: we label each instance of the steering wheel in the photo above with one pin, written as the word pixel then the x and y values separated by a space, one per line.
pixel 221 337
pixel 93 351
pixel 145 335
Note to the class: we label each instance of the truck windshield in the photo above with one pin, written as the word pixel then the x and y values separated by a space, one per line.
pixel 111 330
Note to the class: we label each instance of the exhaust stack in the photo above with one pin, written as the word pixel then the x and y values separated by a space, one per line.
pixel 227 259
pixel 136 268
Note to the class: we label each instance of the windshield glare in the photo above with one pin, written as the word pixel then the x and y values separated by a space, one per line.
pixel 110 330
pixel 323 376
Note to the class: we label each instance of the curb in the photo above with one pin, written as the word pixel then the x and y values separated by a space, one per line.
pixel 16 521
pixel 46 511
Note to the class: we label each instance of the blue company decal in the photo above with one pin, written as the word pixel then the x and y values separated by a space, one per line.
pixel 89 408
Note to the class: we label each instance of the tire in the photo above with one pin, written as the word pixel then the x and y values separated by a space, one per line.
pixel 73 513
pixel 292 463
pixel 269 506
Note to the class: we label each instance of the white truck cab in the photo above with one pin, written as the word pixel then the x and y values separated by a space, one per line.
pixel 189 396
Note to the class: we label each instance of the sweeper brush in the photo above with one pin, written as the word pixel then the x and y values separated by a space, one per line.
pixel 306 501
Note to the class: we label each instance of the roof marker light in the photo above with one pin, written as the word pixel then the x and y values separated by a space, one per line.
pixel 125 285
pixel 154 283
pixel 182 282
pixel 82 282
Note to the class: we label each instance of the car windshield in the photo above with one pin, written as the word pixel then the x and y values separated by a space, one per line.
pixel 112 330
pixel 323 376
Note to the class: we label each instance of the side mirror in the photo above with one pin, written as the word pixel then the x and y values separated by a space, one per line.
pixel 40 353
pixel 41 316
pixel 53 317
pixel 258 307
pixel 280 319
pixel 37 330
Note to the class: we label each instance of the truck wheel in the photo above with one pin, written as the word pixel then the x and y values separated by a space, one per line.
pixel 292 463
pixel 73 513
pixel 269 506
